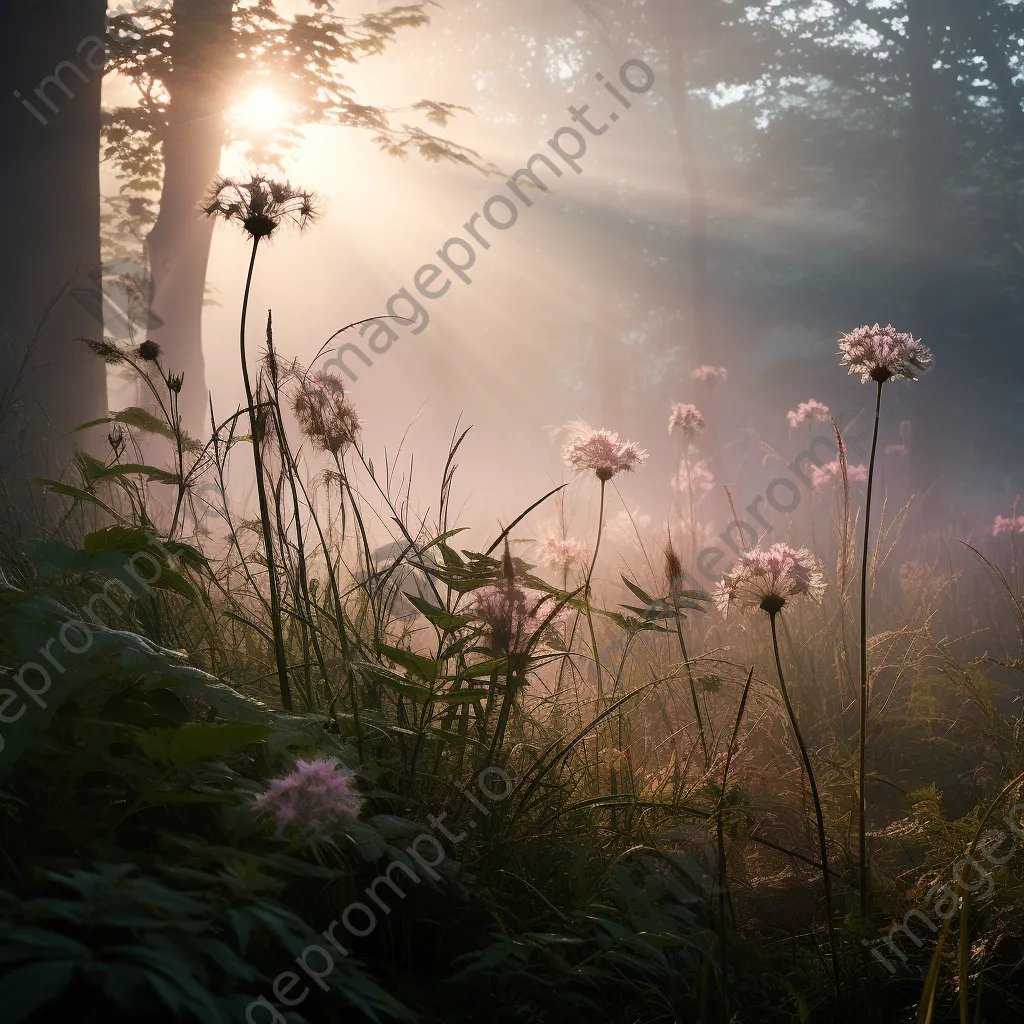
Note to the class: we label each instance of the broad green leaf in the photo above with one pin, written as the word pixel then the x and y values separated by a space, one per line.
pixel 198 741
pixel 417 664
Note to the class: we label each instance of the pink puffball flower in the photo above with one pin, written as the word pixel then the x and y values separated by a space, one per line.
pixel 710 374
pixel 810 411
pixel 694 476
pixel 602 452
pixel 687 419
pixel 883 353
pixel 1007 524
pixel 562 553
pixel 822 474
pixel 512 614
pixel 315 798
pixel 767 578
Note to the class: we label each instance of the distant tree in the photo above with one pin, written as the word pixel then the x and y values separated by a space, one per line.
pixel 195 60
pixel 49 177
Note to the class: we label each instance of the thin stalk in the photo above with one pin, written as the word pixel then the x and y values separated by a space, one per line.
pixel 862 743
pixel 261 490
pixel 590 621
pixel 693 685
pixel 822 846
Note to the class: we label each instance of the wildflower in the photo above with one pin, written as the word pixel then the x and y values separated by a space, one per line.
pixel 686 418
pixel 694 476
pixel 767 578
pixel 325 414
pixel 627 527
pixel 810 411
pixel 512 613
pixel 106 349
pixel 822 474
pixel 883 353
pixel 260 205
pixel 710 374
pixel 1007 524
pixel 562 553
pixel 149 351
pixel 603 452
pixel 315 798
pixel 915 578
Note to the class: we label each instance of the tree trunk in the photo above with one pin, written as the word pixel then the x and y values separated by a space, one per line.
pixel 179 244
pixel 50 178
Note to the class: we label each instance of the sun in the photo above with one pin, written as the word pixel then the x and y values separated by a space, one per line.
pixel 263 110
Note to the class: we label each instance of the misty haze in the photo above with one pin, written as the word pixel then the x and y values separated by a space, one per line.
pixel 511 512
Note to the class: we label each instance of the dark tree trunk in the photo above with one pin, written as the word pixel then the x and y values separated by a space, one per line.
pixel 179 244
pixel 49 177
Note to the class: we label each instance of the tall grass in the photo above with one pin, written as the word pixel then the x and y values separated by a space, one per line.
pixel 653 858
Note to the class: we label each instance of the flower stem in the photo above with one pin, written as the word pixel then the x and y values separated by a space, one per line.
pixel 862 850
pixel 693 685
pixel 261 491
pixel 590 622
pixel 819 817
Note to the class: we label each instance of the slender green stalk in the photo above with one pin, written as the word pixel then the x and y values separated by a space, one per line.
pixel 261 491
pixel 819 817
pixel 693 685
pixel 590 620
pixel 862 743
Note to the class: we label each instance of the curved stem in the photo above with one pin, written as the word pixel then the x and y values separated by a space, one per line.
pixel 862 742
pixel 819 817
pixel 261 491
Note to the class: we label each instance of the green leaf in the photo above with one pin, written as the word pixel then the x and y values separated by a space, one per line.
pixel 444 620
pixel 637 592
pixel 24 990
pixel 417 664
pixel 72 492
pixel 150 472
pixel 199 741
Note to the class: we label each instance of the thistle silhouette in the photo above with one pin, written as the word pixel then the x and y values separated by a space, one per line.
pixel 260 207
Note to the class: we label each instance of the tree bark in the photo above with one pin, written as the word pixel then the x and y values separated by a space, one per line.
pixel 193 139
pixel 49 176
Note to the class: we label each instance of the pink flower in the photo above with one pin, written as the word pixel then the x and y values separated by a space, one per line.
pixel 602 452
pixel 562 553
pixel 822 474
pixel 710 374
pixel 686 418
pixel 694 476
pixel 807 412
pixel 883 353
pixel 1007 524
pixel 317 797
pixel 513 614
pixel 767 578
